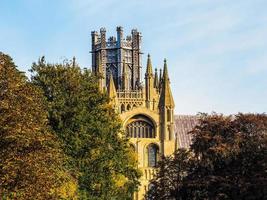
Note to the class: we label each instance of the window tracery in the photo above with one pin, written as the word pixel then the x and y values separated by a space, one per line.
pixel 140 127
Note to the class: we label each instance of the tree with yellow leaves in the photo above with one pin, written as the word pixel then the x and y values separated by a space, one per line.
pixel 31 163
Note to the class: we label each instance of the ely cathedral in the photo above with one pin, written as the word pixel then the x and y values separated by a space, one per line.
pixel 146 109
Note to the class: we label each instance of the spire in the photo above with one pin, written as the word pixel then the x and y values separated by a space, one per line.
pixel 149 79
pixel 166 98
pixel 160 80
pixel 112 94
pixel 165 71
pixel 156 79
pixel 149 66
pixel 160 74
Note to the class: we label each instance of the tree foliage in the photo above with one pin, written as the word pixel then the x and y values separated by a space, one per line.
pixel 88 129
pixel 31 163
pixel 227 160
pixel 168 181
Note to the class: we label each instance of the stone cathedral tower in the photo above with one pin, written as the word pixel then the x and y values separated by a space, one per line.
pixel 145 110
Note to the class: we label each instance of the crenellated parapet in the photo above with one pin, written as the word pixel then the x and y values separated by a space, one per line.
pixel 129 42
pixel 113 51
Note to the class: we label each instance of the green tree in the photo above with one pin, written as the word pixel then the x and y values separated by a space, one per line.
pixel 229 159
pixel 171 170
pixel 31 163
pixel 89 130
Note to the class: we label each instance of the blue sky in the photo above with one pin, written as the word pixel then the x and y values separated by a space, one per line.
pixel 216 49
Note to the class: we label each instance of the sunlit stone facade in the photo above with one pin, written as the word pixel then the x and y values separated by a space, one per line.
pixel 146 110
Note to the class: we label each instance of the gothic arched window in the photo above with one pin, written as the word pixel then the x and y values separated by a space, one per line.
pixel 152 155
pixel 122 107
pixel 128 107
pixel 112 69
pixel 140 127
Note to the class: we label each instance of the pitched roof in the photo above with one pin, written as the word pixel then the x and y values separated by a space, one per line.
pixel 182 125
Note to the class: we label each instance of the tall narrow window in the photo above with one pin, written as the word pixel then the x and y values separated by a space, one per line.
pixel 122 107
pixel 152 155
pixel 168 115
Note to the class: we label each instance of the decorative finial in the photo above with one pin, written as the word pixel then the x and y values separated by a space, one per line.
pixel 148 55
pixel 102 30
pixel 119 28
pixel 156 79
